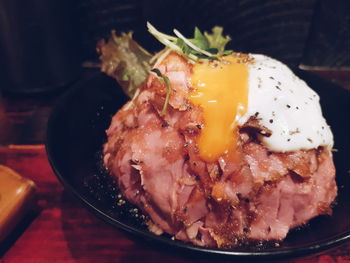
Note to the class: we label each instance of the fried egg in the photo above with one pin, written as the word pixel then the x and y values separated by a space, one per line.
pixel 240 87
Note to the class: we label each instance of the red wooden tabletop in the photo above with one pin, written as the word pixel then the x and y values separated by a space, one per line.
pixel 59 228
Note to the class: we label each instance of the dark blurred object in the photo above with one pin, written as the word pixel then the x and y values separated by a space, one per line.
pixel 340 76
pixel 99 17
pixel 328 43
pixel 38 45
pixel 327 51
pixel 23 119
pixel 278 28
pixel 17 196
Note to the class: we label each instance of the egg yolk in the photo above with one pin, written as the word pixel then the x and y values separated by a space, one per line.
pixel 220 89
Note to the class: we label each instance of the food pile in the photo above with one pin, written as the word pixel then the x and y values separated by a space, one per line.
pixel 216 147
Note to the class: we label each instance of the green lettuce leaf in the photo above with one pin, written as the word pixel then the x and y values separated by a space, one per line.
pixel 217 40
pixel 125 60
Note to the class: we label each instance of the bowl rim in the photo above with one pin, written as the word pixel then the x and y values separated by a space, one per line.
pixel 313 247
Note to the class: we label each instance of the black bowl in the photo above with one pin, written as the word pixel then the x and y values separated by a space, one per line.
pixel 76 133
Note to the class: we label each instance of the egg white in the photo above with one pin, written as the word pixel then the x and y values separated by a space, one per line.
pixel 286 106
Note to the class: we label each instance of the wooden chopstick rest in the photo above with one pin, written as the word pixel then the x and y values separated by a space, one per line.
pixel 16 194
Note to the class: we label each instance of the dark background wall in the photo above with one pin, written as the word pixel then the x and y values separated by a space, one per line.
pixel 44 42
pixel 279 28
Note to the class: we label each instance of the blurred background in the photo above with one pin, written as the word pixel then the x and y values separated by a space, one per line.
pixel 44 42
pixel 283 29
pixel 48 45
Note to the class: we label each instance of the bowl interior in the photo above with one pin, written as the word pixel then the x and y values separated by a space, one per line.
pixel 76 133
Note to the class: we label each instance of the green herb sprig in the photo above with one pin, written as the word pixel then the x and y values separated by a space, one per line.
pixel 166 81
pixel 208 45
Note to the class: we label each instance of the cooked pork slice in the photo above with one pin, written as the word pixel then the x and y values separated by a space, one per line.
pixel 260 196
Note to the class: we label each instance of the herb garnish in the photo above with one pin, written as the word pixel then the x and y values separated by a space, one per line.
pixel 207 46
pixel 167 83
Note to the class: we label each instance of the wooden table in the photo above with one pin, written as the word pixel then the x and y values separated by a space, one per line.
pixel 60 229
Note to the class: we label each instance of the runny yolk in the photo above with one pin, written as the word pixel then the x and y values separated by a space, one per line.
pixel 220 89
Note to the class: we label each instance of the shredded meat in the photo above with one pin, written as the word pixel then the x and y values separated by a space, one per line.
pixel 156 163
